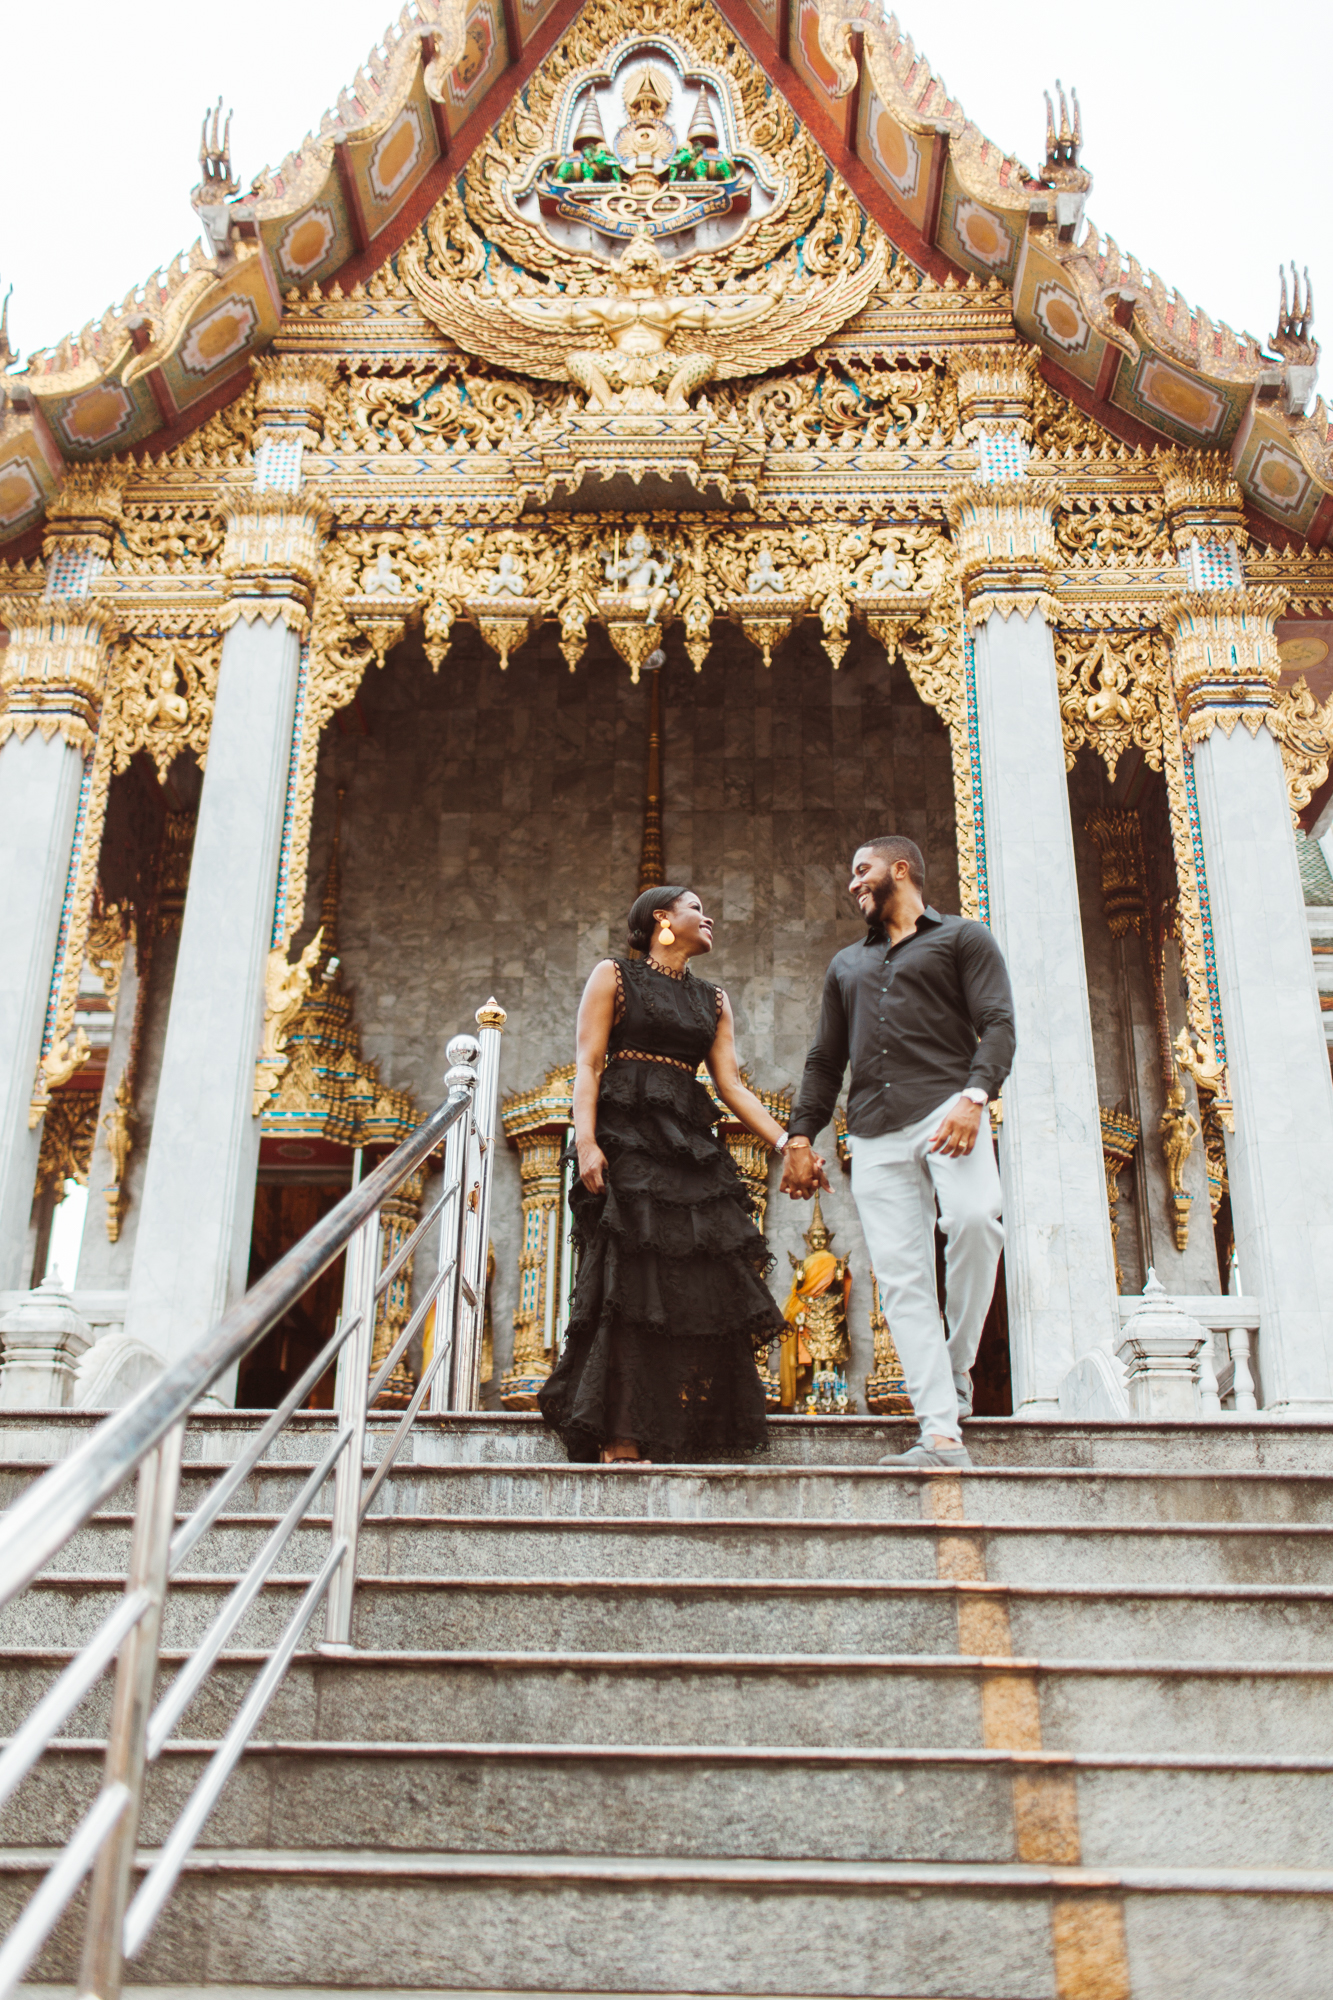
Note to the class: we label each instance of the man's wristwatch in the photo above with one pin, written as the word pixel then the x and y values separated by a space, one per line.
pixel 977 1095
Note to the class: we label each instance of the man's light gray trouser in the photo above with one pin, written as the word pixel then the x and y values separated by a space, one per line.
pixel 896 1182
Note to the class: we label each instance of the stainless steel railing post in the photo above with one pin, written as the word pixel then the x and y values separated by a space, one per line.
pixel 136 1674
pixel 462 1052
pixel 478 1176
pixel 353 1383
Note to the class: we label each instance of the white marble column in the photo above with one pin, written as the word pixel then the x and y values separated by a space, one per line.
pixel 192 1245
pixel 52 673
pixel 1280 1156
pixel 1059 1264
pixel 39 797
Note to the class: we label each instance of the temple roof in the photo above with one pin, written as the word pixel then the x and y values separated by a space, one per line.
pixel 1150 367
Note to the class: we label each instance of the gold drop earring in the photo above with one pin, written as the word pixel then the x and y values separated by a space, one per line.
pixel 666 935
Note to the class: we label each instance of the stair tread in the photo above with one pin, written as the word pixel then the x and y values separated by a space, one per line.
pixel 672 1868
pixel 755 1754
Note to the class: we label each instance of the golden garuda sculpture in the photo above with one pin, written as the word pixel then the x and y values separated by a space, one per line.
pixel 642 268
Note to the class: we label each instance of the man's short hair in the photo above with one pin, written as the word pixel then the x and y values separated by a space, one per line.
pixel 897 847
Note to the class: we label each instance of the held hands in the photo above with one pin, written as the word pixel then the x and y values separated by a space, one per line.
pixel 802 1170
pixel 592 1166
pixel 958 1129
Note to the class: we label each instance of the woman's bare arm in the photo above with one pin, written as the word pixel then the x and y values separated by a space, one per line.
pixel 725 1072
pixel 597 1013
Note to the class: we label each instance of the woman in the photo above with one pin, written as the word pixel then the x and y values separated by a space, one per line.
pixel 670 1306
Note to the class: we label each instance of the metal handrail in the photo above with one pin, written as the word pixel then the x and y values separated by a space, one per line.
pixel 148 1435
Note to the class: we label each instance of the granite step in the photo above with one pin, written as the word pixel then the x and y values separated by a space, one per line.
pixel 762 1803
pixel 486 1921
pixel 830 1493
pixel 1197 1554
pixel 736 1699
pixel 1241 1623
pixel 1229 1445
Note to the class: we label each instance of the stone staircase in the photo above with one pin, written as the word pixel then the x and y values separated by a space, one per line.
pixel 1058 1729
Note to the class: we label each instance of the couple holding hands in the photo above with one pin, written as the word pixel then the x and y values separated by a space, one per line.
pixel 670 1306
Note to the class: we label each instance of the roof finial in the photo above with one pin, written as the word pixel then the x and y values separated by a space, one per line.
pixel 217 183
pixel 1292 339
pixel 590 131
pixel 7 353
pixel 1063 144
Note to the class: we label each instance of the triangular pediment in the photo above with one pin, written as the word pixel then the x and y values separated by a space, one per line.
pixel 463 92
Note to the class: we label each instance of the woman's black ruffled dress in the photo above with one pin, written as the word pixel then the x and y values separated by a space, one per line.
pixel 670 1305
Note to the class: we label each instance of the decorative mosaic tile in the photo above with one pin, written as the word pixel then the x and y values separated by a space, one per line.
pixel 974 759
pixel 1214 566
pixel 72 572
pixel 1205 908
pixel 285 849
pixel 278 464
pixel 1003 456
pixel 67 904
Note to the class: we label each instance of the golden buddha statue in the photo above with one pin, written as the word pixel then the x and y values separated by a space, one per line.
pixel 813 1366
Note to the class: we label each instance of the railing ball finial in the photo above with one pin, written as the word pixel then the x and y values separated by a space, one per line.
pixel 461 1077
pixel 462 1049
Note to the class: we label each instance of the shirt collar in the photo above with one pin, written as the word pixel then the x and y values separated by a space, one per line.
pixel 876 933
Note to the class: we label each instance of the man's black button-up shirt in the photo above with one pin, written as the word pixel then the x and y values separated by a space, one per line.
pixel 919 1020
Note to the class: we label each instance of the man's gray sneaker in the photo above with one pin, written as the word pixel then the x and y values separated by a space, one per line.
pixel 925 1456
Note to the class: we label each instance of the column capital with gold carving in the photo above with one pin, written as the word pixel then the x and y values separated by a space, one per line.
pixel 53 671
pixel 292 394
pixel 1204 504
pixel 83 519
pixel 996 389
pixel 1224 659
pixel 1004 536
pixel 271 556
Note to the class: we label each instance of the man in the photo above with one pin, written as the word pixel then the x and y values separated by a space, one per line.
pixel 922 1008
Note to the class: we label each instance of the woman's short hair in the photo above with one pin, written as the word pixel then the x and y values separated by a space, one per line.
pixel 640 920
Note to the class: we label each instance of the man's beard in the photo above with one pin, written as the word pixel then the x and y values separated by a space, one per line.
pixel 876 920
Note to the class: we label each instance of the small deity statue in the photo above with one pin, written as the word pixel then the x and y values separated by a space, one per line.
pixel 642 576
pixel 765 579
pixel 1106 705
pixel 381 579
pixel 887 576
pixel 813 1364
pixel 510 579
pixel 166 707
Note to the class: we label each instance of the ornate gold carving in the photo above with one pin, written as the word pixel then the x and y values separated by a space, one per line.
pixel 292 393
pixel 1189 913
pixel 285 990
pixel 109 934
pixel 886 1385
pixel 1203 501
pixel 85 514
pixel 1120 1138
pixel 1224 659
pixel 399 1216
pixel 119 1125
pixel 162 698
pixel 1179 1129
pixel 537 1123
pixel 996 386
pixel 1097 528
pixel 67 1140
pixel 1109 694
pixel 1005 545
pixel 53 671
pixel 271 556
pixel 1304 729
pixel 1119 840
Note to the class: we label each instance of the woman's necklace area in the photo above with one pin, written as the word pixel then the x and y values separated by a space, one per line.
pixel 657 966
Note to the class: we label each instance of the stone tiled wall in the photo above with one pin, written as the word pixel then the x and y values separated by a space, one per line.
pixel 491 844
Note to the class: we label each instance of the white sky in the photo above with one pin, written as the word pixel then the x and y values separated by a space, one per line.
pixel 1205 129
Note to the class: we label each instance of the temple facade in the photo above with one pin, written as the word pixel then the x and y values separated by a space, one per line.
pixel 637 442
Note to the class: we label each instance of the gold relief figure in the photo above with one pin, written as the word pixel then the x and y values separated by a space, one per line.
pixel 813 1367
pixel 1179 1129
